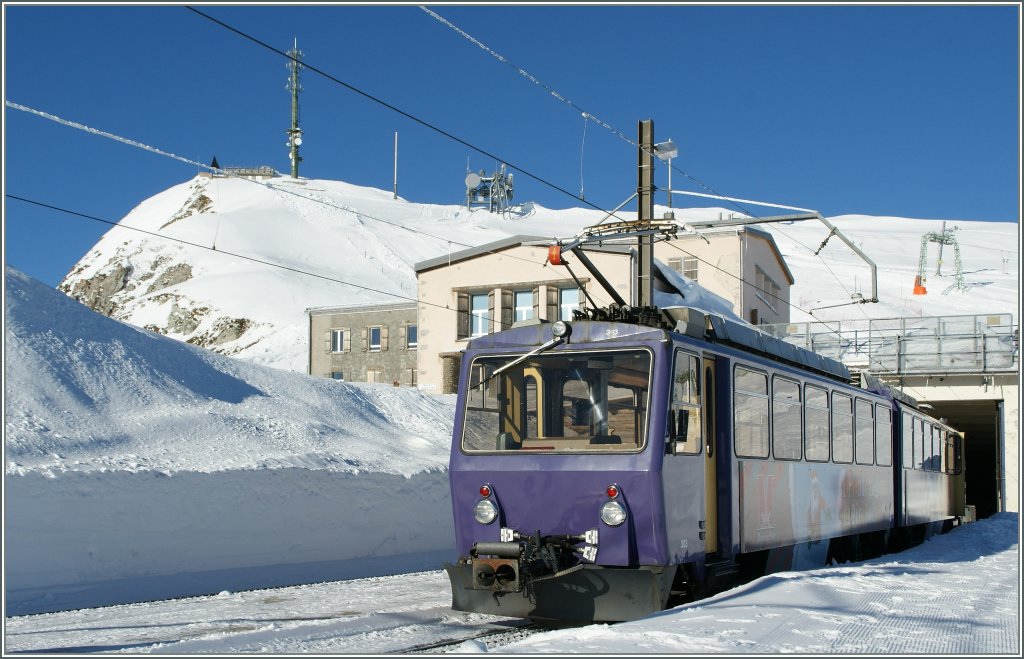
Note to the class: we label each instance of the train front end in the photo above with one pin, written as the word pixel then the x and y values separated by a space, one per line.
pixel 555 486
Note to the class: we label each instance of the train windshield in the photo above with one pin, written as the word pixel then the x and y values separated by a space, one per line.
pixel 558 402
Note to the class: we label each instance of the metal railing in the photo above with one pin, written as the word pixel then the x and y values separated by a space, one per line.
pixel 986 343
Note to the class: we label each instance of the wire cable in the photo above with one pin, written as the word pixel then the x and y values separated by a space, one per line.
pixel 268 185
pixel 389 106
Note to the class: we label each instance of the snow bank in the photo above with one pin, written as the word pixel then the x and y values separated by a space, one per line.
pixel 136 464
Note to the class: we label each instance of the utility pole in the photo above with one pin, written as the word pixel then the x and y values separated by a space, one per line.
pixel 396 165
pixel 645 213
pixel 294 133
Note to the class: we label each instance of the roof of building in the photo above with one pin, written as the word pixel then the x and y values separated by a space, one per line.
pixel 360 308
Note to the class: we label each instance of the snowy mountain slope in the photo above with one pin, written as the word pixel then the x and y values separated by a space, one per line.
pixel 89 393
pixel 369 241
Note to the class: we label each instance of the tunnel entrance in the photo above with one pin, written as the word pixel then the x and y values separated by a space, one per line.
pixel 979 421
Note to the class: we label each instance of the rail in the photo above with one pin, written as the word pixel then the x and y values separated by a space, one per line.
pixel 983 343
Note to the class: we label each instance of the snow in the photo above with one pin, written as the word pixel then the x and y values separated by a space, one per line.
pixel 958 593
pixel 359 245
pixel 140 468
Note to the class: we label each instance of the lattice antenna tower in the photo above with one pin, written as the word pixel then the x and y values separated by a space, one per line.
pixel 944 237
pixel 293 86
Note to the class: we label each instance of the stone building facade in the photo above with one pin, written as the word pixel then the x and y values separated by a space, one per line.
pixel 365 343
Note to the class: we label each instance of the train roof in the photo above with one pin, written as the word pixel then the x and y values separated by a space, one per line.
pixel 631 324
pixel 720 329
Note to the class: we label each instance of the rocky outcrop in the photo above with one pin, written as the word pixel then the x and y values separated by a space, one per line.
pixel 98 291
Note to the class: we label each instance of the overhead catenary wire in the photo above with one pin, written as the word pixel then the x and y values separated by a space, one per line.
pixel 711 193
pixel 245 257
pixel 403 113
pixel 461 141
pixel 268 185
pixel 587 115
pixel 146 147
pixel 371 97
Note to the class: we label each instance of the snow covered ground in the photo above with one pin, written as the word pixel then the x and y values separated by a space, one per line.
pixel 957 593
pixel 139 468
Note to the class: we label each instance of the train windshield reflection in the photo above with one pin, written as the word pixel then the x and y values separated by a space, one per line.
pixel 558 402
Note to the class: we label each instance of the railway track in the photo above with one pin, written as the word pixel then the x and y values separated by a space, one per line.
pixel 492 638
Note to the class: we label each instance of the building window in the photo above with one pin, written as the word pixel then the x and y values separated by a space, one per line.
pixel 690 267
pixel 568 301
pixel 676 264
pixel 410 337
pixel 375 339
pixel 767 290
pixel 337 375
pixel 480 315
pixel 340 340
pixel 523 305
pixel 374 375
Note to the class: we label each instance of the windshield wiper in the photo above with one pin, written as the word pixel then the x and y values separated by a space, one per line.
pixel 519 360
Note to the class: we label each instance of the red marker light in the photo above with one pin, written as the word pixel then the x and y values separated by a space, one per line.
pixel 612 491
pixel 485 491
pixel 555 255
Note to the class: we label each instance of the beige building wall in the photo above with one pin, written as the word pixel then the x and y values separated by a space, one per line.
pixel 507 268
pixel 500 269
pixel 743 266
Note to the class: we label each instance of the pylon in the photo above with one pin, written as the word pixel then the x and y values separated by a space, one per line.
pixel 919 288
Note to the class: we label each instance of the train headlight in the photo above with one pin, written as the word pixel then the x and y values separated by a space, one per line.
pixel 612 513
pixel 485 511
pixel 561 329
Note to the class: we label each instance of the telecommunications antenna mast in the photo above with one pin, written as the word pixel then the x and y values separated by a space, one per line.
pixel 294 133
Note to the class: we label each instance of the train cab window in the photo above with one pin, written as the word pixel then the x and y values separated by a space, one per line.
pixel 842 428
pixel 684 422
pixel 787 419
pixel 557 402
pixel 883 436
pixel 864 427
pixel 750 405
pixel 816 419
pixel 908 441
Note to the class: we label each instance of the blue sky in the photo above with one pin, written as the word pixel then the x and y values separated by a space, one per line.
pixel 909 111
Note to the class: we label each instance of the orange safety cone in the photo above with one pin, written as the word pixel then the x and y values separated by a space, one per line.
pixel 919 288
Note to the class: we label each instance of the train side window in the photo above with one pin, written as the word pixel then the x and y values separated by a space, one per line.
pixel 864 427
pixel 922 444
pixel 934 461
pixel 842 428
pixel 958 455
pixel 787 420
pixel 684 423
pixel 883 436
pixel 750 420
pixel 943 451
pixel 816 418
pixel 908 441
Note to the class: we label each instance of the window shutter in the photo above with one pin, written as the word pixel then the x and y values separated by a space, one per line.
pixel 506 309
pixel 366 339
pixel 384 337
pixel 347 340
pixel 490 311
pixel 462 324
pixel 327 341
pixel 552 303
pixel 536 302
pixel 403 336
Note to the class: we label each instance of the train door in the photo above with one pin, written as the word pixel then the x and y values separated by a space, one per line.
pixel 683 467
pixel 710 458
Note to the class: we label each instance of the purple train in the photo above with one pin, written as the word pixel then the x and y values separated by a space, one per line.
pixel 605 468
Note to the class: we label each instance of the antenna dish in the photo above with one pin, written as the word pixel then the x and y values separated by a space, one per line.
pixel 298 141
pixel 472 180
